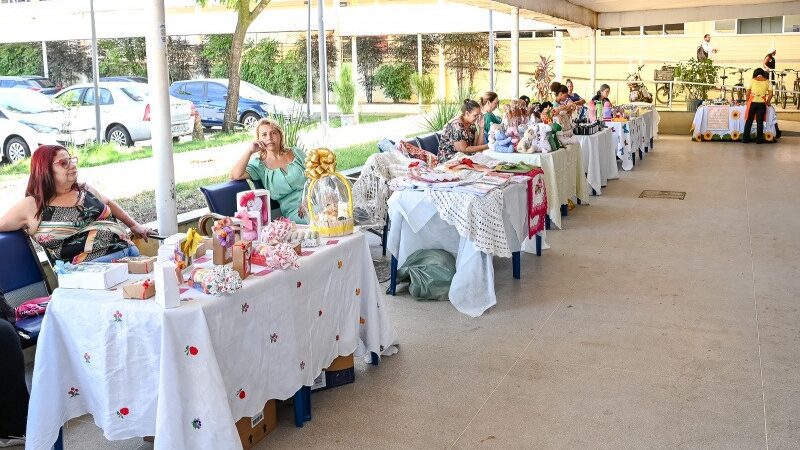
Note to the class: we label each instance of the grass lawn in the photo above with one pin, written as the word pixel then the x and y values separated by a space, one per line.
pixel 189 198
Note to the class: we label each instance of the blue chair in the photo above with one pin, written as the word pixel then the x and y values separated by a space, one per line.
pixel 221 198
pixel 22 278
pixel 429 142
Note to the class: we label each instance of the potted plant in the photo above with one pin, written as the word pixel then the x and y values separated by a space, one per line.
pixel 424 87
pixel 345 95
pixel 694 71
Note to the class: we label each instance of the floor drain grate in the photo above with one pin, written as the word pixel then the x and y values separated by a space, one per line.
pixel 673 195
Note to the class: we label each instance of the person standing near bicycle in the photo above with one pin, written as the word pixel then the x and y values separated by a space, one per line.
pixel 760 95
pixel 705 49
pixel 769 64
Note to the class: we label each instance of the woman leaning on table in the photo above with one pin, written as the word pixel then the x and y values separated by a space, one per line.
pixel 462 134
pixel 71 220
pixel 281 170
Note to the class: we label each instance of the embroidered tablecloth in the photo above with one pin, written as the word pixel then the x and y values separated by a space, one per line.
pixel 599 158
pixel 726 123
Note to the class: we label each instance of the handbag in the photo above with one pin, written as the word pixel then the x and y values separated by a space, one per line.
pixel 701 53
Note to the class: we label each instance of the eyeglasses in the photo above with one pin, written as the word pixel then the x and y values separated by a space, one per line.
pixel 65 162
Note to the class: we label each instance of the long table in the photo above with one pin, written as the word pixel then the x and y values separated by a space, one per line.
pixel 563 172
pixel 599 158
pixel 187 374
pixel 726 123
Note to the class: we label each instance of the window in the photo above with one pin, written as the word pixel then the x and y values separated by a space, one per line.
pixel 136 93
pixel 545 34
pixel 507 35
pixel 791 24
pixel 193 89
pixel 653 30
pixel 761 25
pixel 609 32
pixel 70 98
pixel 631 31
pixel 217 90
pixel 7 83
pixel 105 97
pixel 725 26
pixel 674 28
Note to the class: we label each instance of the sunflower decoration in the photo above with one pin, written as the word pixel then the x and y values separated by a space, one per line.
pixel 769 137
pixel 691 130
pixel 698 137
pixel 707 136
pixel 735 114
pixel 735 135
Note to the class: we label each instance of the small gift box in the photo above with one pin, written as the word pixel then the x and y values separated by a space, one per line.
pixel 138 264
pixel 182 258
pixel 257 201
pixel 93 275
pixel 139 290
pixel 242 251
pixel 167 285
pixel 223 240
pixel 206 245
pixel 249 225
pixel 196 280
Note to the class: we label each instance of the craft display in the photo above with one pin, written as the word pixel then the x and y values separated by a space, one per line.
pixel 255 201
pixel 138 264
pixel 412 151
pixel 139 290
pixel 277 256
pixel 250 225
pixel 329 196
pixel 223 240
pixel 527 143
pixel 307 238
pixel 167 286
pixel 501 142
pixel 277 231
pixel 218 281
pixel 542 144
pixel 242 251
pixel 90 275
pixel 607 114
pixel 564 119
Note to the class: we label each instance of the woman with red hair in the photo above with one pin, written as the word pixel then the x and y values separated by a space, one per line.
pixel 71 220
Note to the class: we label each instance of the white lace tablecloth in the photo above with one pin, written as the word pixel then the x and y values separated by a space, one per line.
pixel 599 158
pixel 187 374
pixel 459 223
pixel 629 137
pixel 563 175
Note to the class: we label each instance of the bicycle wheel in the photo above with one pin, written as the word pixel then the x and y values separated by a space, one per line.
pixel 784 96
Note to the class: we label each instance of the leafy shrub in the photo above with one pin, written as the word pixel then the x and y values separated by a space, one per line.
pixel 216 51
pixel 20 59
pixel 443 112
pixel 395 80
pixel 424 87
pixel 263 65
pixel 345 90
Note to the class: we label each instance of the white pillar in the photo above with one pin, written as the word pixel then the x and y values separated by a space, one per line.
pixel 419 66
pixel 323 65
pixel 45 66
pixel 593 62
pixel 515 53
pixel 95 77
pixel 560 56
pixel 337 39
pixel 491 51
pixel 309 72
pixel 442 74
pixel 160 122
pixel 354 63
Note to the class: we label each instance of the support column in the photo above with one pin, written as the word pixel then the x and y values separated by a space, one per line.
pixel 560 56
pixel 354 63
pixel 95 77
pixel 45 66
pixel 515 53
pixel 442 74
pixel 337 39
pixel 419 66
pixel 323 65
pixel 160 122
pixel 593 62
pixel 309 71
pixel 491 51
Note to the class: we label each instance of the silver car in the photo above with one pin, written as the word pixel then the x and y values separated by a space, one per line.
pixel 125 110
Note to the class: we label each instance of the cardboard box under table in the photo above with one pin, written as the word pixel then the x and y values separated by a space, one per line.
pixel 340 372
pixel 253 430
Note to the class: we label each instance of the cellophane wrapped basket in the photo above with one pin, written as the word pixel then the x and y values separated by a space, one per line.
pixel 329 197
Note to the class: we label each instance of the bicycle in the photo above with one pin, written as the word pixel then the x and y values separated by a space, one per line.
pixel 666 75
pixel 723 91
pixel 780 89
pixel 639 92
pixel 796 88
pixel 738 90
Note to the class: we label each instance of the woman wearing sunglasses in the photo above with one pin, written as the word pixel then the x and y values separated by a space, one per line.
pixel 71 220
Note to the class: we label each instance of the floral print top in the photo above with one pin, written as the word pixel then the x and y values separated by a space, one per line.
pixel 455 131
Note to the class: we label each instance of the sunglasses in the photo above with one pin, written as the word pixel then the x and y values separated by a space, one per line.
pixel 65 162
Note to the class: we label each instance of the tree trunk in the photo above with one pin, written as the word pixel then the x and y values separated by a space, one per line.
pixel 234 66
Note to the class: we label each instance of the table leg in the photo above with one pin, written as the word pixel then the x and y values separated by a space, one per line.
pixel 641 154
pixel 594 193
pixel 375 360
pixel 633 156
pixel 538 244
pixel 385 236
pixel 59 444
pixel 564 210
pixel 547 221
pixel 393 277
pixel 652 143
pixel 515 263
pixel 579 201
pixel 302 406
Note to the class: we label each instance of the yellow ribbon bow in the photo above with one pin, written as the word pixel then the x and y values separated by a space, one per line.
pixel 193 241
pixel 320 162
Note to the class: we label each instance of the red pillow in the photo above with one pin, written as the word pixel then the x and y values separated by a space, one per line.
pixel 414 152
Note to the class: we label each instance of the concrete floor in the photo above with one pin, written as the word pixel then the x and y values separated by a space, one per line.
pixel 650 323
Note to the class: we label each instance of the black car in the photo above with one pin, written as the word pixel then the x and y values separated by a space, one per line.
pixel 133 79
pixel 32 82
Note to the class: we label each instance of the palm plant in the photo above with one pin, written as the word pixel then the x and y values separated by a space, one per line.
pixel 442 112
pixel 542 77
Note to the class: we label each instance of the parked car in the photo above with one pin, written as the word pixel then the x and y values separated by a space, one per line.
pixel 254 103
pixel 29 119
pixel 124 110
pixel 132 79
pixel 32 82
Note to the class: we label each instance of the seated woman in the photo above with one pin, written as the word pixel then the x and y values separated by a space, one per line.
pixel 281 170
pixel 461 134
pixel 72 221
pixel 562 95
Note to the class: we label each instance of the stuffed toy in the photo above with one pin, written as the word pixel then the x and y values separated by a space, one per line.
pixel 542 131
pixel 564 120
pixel 513 133
pixel 502 143
pixel 526 144
pixel 492 131
pixel 607 110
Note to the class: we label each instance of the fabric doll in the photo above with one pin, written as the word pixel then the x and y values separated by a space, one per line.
pixel 513 133
pixel 607 110
pixel 526 144
pixel 492 132
pixel 502 142
pixel 542 131
pixel 564 120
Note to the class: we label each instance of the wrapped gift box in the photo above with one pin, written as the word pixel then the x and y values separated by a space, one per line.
pixel 91 275
pixel 261 260
pixel 138 264
pixel 139 290
pixel 242 251
pixel 257 200
pixel 176 243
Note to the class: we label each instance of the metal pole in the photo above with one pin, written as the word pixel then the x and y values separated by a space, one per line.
pixel 515 53
pixel 160 122
pixel 419 66
pixel 323 66
pixel 96 77
pixel 491 52
pixel 309 72
pixel 44 60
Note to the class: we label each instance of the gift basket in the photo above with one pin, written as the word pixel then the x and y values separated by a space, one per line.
pixel 329 197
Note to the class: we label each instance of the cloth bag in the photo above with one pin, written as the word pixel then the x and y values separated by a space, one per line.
pixel 431 271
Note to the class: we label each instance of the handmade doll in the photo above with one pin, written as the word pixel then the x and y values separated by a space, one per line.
pixel 542 131
pixel 526 144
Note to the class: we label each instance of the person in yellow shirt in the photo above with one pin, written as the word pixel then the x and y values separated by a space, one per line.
pixel 760 94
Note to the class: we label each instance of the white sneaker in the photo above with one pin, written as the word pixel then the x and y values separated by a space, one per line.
pixel 11 441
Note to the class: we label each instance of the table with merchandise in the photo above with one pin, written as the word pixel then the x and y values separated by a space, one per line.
pixel 599 158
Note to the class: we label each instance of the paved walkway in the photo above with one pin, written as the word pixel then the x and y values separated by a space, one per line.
pixel 128 178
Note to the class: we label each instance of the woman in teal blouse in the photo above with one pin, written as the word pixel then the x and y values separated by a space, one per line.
pixel 281 170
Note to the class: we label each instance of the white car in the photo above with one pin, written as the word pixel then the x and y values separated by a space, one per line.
pixel 29 119
pixel 124 110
